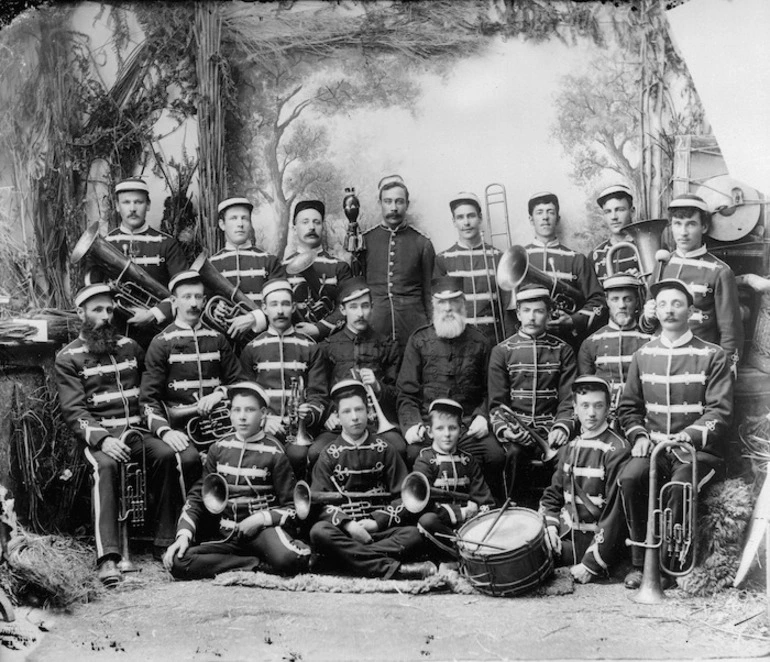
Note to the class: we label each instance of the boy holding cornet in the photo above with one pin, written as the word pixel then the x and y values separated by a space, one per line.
pixel 246 491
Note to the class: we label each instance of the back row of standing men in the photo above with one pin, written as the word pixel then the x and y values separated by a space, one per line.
pixel 383 318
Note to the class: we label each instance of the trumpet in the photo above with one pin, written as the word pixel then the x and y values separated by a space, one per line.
pixel 416 493
pixel 297 433
pixel 383 424
pixel 133 499
pixel 202 430
pixel 133 288
pixel 668 543
pixel 354 504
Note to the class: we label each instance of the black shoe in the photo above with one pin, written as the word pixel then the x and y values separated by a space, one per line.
pixel 421 570
pixel 633 579
pixel 108 573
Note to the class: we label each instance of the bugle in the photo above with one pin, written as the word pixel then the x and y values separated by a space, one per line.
pixel 514 268
pixel 304 499
pixel 133 499
pixel 383 424
pixel 667 543
pixel 202 430
pixel 225 302
pixel 416 493
pixel 133 288
pixel 646 244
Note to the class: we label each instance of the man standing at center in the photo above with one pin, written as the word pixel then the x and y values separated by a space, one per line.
pixel 398 266
pixel 567 266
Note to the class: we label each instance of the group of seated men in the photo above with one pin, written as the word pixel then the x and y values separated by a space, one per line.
pixel 415 338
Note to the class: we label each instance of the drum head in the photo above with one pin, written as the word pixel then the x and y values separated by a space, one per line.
pixel 516 528
pixel 730 201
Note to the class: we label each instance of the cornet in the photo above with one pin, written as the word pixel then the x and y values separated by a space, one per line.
pixel 354 504
pixel 133 499
pixel 416 493
pixel 383 424
pixel 216 491
pixel 296 432
pixel 202 430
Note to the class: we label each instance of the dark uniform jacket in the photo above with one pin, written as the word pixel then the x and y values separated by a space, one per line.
pixel 99 394
pixel 259 461
pixel 587 470
pixel 533 376
pixel 683 386
pixel 248 268
pixel 184 364
pixel 478 267
pixel 436 367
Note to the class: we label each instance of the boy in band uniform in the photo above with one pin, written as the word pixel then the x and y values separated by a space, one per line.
pixel 358 536
pixel 617 205
pixel 448 468
pixel 256 520
pixel 584 520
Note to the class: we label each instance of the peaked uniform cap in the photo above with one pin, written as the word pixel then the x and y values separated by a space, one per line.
pixel 616 281
pixel 590 380
pixel 689 200
pixel 672 284
pixel 446 287
pixel 614 191
pixel 187 276
pixel 446 404
pixel 132 184
pixel 90 291
pixel 234 202
pixel 275 286
pixel 249 387
pixel 465 198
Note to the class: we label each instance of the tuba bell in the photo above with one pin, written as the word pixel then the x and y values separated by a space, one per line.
pixel 514 268
pixel 133 288
pixel 646 245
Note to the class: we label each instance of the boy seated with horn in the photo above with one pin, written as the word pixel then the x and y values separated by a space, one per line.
pixel 246 489
pixel 585 526
pixel 358 476
pixel 450 470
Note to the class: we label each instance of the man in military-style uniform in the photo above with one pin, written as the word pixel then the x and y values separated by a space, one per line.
pixel 617 205
pixel 397 266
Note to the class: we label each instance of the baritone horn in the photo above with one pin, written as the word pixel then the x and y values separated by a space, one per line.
pixel 668 543
pixel 133 498
pixel 383 424
pixel 514 268
pixel 646 244
pixel 416 493
pixel 133 288
pixel 226 301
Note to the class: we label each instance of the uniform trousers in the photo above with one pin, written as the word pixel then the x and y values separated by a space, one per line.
pixel 169 476
pixel 399 315
pixel 634 484
pixel 379 558
pixel 274 545
pixel 393 438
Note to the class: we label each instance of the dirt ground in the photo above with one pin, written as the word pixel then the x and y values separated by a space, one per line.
pixel 152 618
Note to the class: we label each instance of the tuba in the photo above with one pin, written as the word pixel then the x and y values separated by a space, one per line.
pixel 514 268
pixel 201 430
pixel 133 288
pixel 133 500
pixel 383 424
pixel 296 433
pixel 317 303
pixel 667 543
pixel 646 245
pixel 416 493
pixel 226 300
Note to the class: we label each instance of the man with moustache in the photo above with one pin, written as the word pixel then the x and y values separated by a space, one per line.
pixel 315 287
pixel 678 388
pixel 374 358
pixel 565 265
pixel 247 266
pixel 529 386
pixel 186 364
pixel 98 376
pixel 476 263
pixel 397 266
pixel 158 253
pixel 607 352
pixel 448 359
pixel 716 315
pixel 283 359
pixel 617 205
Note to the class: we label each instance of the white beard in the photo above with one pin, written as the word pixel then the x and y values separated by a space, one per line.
pixel 449 325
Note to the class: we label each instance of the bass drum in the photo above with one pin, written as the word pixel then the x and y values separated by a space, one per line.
pixel 517 559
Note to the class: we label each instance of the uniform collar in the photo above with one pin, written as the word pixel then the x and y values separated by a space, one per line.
pixel 229 246
pixel 401 226
pixel 353 335
pixel 526 336
pixel 698 252
pixel 274 332
pixel 617 327
pixel 595 433
pixel 679 342
pixel 354 442
pixel 185 325
pixel 537 241
pixel 259 436
pixel 125 230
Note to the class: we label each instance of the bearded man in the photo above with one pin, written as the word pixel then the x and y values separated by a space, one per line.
pixel 448 359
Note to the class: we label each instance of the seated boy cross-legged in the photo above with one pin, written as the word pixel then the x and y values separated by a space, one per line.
pixel 364 535
pixel 256 513
pixel 582 506
pixel 450 469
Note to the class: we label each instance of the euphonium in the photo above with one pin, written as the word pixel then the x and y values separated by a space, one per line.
pixel 133 287
pixel 674 539
pixel 416 493
pixel 296 433
pixel 383 424
pixel 226 301
pixel 202 430
pixel 133 500
pixel 646 245
pixel 514 268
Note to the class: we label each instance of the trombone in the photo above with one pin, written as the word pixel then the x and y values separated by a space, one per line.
pixel 495 195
